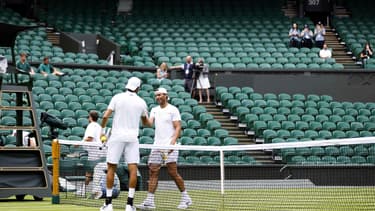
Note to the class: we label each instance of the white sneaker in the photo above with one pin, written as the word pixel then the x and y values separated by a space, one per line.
pixel 130 208
pixel 105 207
pixel 185 203
pixel 146 205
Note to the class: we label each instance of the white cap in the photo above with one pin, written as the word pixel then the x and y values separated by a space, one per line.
pixel 133 83
pixel 161 90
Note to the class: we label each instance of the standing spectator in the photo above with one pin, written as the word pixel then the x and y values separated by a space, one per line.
pixel 128 109
pixel 167 120
pixel 24 65
pixel 188 69
pixel 203 81
pixel 366 53
pixel 307 36
pixel 325 53
pixel 294 36
pixel 319 33
pixel 92 134
pixel 46 68
pixel 3 64
pixel 162 71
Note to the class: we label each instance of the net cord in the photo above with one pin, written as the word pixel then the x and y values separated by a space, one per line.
pixel 284 145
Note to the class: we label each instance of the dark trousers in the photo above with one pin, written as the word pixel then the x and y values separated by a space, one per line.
pixel 188 85
pixel 319 44
pixel 307 43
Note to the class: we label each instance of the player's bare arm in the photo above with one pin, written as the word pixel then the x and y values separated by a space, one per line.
pixel 106 116
pixel 147 121
pixel 177 127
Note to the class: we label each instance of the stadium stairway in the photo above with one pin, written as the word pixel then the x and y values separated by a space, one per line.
pixel 339 50
pixel 290 8
pixel 53 37
pixel 235 132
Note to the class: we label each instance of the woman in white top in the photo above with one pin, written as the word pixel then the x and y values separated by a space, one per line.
pixel 203 81
pixel 162 71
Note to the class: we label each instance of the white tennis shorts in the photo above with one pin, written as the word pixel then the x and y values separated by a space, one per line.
pixel 130 151
pixel 156 156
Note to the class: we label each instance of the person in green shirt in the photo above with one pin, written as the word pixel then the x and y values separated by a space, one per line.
pixel 46 68
pixel 24 65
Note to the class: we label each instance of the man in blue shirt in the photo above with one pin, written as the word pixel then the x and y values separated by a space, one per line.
pixel 46 68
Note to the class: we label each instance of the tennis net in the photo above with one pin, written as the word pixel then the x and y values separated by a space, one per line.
pixel 335 174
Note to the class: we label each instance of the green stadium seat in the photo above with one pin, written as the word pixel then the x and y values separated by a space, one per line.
pixel 213 141
pixel 358 159
pixel 343 160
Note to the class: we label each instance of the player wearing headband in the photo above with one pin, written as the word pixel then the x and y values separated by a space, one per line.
pixel 167 121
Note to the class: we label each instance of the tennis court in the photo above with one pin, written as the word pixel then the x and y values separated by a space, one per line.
pixel 327 198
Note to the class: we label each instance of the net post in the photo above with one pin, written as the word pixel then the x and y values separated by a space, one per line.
pixel 55 172
pixel 222 172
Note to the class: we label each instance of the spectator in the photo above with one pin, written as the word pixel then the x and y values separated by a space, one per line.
pixel 46 68
pixel 319 33
pixel 366 53
pixel 100 179
pixel 162 71
pixel 294 37
pixel 3 64
pixel 307 37
pixel 23 64
pixel 203 81
pixel 325 53
pixel 188 69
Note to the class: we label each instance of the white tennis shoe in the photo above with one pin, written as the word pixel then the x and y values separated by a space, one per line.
pixel 129 208
pixel 185 203
pixel 147 204
pixel 105 207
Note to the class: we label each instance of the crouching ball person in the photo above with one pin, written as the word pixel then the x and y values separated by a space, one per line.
pixel 128 109
pixel 167 130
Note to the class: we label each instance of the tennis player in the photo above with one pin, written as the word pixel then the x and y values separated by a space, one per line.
pixel 167 130
pixel 128 109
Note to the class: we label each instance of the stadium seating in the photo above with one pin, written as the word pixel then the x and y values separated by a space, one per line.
pixel 358 29
pixel 199 127
pixel 286 118
pixel 34 42
pixel 255 37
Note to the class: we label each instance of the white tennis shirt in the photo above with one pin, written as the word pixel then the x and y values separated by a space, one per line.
pixel 164 118
pixel 128 108
pixel 94 131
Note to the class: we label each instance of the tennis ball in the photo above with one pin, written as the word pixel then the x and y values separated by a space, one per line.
pixel 103 138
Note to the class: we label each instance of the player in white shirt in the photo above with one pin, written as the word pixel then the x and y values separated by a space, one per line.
pixel 128 109
pixel 167 130
pixel 92 134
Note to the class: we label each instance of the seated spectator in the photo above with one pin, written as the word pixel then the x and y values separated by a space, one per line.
pixel 46 68
pixel 100 179
pixel 162 71
pixel 366 53
pixel 307 37
pixel 23 64
pixel 294 37
pixel 325 53
pixel 319 33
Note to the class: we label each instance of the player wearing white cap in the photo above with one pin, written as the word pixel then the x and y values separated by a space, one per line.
pixel 167 130
pixel 128 109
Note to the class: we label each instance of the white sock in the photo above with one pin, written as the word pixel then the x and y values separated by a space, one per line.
pixel 184 194
pixel 131 192
pixel 150 197
pixel 109 192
